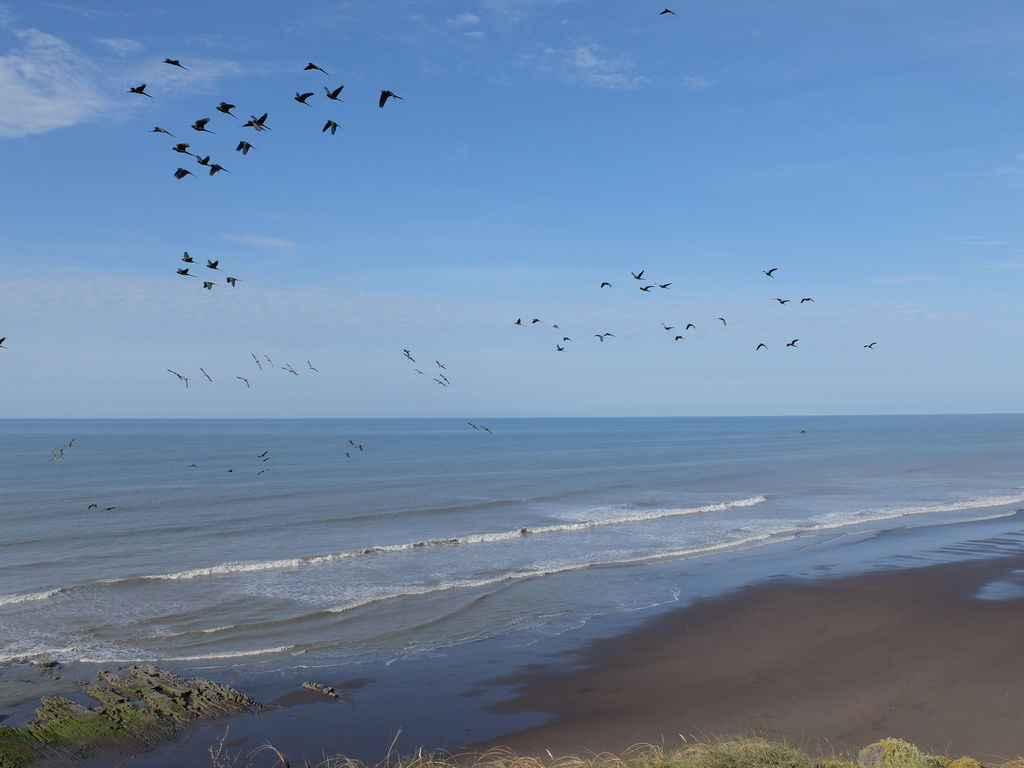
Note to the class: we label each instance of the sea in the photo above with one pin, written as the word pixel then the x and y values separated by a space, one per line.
pixel 286 544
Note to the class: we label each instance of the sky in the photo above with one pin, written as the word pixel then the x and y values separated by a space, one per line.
pixel 872 151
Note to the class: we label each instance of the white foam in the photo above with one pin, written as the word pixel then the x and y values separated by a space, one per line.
pixel 197 657
pixel 28 596
pixel 893 513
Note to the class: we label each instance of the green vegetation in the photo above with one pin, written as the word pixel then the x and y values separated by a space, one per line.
pixel 737 752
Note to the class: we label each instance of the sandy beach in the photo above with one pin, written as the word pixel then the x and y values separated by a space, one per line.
pixel 907 653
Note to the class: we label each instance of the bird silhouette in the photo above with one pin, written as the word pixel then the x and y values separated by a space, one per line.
pixel 205 161
pixel 158 129
pixel 181 173
pixel 667 11
pixel 535 320
pixel 207 285
pixel 188 259
pixel 180 377
pixel 301 97
pixel 439 364
pixel 638 275
pixel 723 320
pixel 770 272
pixel 311 65
pixel 441 382
pixel 333 95
pixel 140 89
pixel 2 340
pixel 258 363
pixel 689 326
pixel 243 147
pixel 288 368
pixel 385 95
pixel 679 338
pixel 226 109
pixel 331 125
pixel 408 354
pixel 175 63
pixel 807 298
pixel 259 123
pixel 212 264
pixel 646 288
pixel 866 346
pixel 566 338
pixel 606 285
pixel 519 321
pixel 664 285
pixel 200 125
pixel 559 347
pixel 667 327
pixel 185 272
pixel 247 385
pixel 206 374
pixel 782 301
pixel 762 345
pixel 792 343
pixel 182 148
pixel 231 281
pixel 311 366
pixel 216 168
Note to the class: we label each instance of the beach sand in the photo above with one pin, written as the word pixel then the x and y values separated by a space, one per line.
pixel 907 653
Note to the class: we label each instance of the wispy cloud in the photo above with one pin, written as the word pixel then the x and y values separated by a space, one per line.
pixel 514 11
pixel 84 11
pixel 262 241
pixel 909 279
pixel 587 64
pixel 697 82
pixel 46 84
pixel 6 16
pixel 122 46
pixel 463 20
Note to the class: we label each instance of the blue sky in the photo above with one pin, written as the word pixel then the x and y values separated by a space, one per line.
pixel 872 151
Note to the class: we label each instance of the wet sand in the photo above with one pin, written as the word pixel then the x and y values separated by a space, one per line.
pixel 908 653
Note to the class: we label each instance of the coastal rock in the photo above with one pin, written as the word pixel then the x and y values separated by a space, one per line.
pixel 137 710
pixel 327 690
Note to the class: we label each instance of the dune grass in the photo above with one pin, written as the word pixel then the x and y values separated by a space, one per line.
pixel 732 752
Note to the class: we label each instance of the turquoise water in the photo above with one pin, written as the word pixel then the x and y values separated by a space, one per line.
pixel 435 534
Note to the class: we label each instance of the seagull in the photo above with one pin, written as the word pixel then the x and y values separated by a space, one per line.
pixel 212 264
pixel 535 320
pixel 247 386
pixel 180 377
pixel 330 124
pixel 311 366
pixel 301 97
pixel 600 337
pixel 217 167
pixel 606 284
pixel 782 301
pixel 566 338
pixel 762 345
pixel 182 148
pixel 689 326
pixel 408 355
pixel 333 95
pixel 93 506
pixel 441 365
pixel 200 125
pixel 638 275
pixel 679 338
pixel 474 426
pixel 140 89
pixel 188 259
pixel 267 358
pixel 288 368
pixel 207 285
pixel 206 374
pixel 257 361
pixel 231 281
pixel 184 271
pixel 723 320
pixel 243 147
pixel 311 65
pixel 175 63
pixel 158 129
pixel 421 373
pixel 866 346
pixel 226 109
pixel 259 123
pixel 667 11
pixel 181 173
pixel 385 95
pixel 667 327
pixel 769 272
pixel 446 381
pixel 485 429
pixel 808 298
pixel 792 343
pixel 441 382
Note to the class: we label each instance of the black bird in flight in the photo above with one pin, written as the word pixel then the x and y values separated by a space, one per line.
pixel 566 338
pixel 140 89
pixel 180 377
pixel 207 285
pixel 408 354
pixel 782 301
pixel 188 259
pixel 289 369
pixel 330 124
pixel 231 281
pixel 385 95
pixel 311 367
pixel 606 284
pixel 2 340
pixel 93 506
pixel 226 109
pixel 311 65
pixel 664 285
pixel 866 346
pixel 535 320
pixel 689 326
pixel 333 95
pixel 723 321
pixel 519 321
pixel 667 327
pixel 441 365
pixel 769 271
pixel 175 63
pixel 638 275
pixel 667 11
pixel 247 386
pixel 762 345
pixel 205 374
pixel 257 361
pixel 158 129
pixel 679 338
pixel 212 264
pixel 646 288
pixel 792 343
pixel 185 272
pixel 599 337
pixel 215 168
pixel 181 173
pixel 808 298
pixel 259 123
pixel 559 347
pixel 203 160
pixel 301 97
pixel 243 147
pixel 441 382
pixel 182 148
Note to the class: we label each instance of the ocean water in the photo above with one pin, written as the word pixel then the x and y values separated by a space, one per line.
pixel 435 534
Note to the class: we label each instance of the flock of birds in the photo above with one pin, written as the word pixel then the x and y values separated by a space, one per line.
pixel 259 363
pixel 207 284
pixel 258 124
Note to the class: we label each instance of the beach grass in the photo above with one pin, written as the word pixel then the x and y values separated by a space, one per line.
pixel 731 752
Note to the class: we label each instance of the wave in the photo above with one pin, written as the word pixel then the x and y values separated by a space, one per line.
pixel 896 512
pixel 196 657
pixel 29 596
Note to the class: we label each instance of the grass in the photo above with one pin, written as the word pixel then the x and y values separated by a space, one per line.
pixel 733 752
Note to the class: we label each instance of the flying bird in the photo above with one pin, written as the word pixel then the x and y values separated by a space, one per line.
pixel 181 173
pixel 808 298
pixel 257 361
pixel 259 123
pixel 231 281
pixel 175 63
pixel 667 11
pixel 606 284
pixel 782 301
pixel 723 320
pixel 311 366
pixel 792 343
pixel 385 95
pixel 206 374
pixel 226 109
pixel 333 95
pixel 216 167
pixel 667 327
pixel 289 369
pixel 769 271
pixel 762 345
pixel 440 364
pixel 247 386
pixel 188 259
pixel 441 382
pixel 866 346
pixel 664 285
pixel 679 338
pixel 559 347
pixel 535 320
pixel 212 264
pixel 180 377
pixel 408 355
pixel 689 326
pixel 638 275
pixel 519 321
pixel 243 147
pixel 158 129
pixel 203 160
pixel 207 285
pixel 200 125
pixel 184 272
pixel 2 340
pixel 140 89
pixel 646 288
pixel 182 148
pixel 311 65
pixel 301 97
pixel 331 125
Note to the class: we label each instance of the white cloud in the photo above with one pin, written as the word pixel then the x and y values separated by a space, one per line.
pixel 697 82
pixel 46 84
pixel 464 20
pixel 6 16
pixel 261 241
pixel 908 279
pixel 122 46
pixel 586 65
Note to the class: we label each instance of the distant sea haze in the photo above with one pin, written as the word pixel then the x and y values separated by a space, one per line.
pixel 435 533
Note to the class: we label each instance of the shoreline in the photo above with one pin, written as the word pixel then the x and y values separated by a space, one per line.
pixel 845 662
